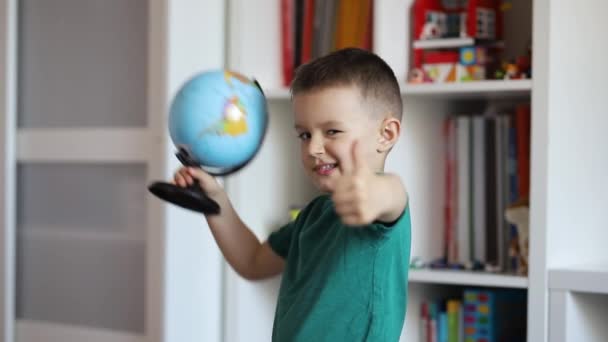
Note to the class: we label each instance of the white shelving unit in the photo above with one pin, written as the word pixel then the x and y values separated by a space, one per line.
pixel 568 102
pixel 466 278
pixel 497 89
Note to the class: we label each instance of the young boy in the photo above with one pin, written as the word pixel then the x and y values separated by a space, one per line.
pixel 345 258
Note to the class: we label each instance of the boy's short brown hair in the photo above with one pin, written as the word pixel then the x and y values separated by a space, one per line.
pixel 352 66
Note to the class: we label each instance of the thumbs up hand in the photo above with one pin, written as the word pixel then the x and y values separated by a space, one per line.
pixel 362 196
pixel 354 196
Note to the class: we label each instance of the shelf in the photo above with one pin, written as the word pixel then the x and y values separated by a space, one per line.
pixel 277 94
pixel 467 278
pixel 443 43
pixel 583 279
pixel 473 89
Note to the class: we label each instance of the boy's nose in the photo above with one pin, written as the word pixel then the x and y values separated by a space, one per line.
pixel 316 148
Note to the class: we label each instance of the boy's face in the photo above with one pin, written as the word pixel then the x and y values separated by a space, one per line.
pixel 328 121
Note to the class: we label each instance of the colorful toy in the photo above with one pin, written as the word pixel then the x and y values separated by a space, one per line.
pixel 419 76
pixel 518 214
pixel 452 18
pixel 294 212
pixel 430 30
pixel 479 20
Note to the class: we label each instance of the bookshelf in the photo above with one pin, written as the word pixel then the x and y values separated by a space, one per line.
pixel 562 85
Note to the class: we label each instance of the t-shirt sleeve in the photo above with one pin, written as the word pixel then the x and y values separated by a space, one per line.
pixel 280 240
pixel 386 227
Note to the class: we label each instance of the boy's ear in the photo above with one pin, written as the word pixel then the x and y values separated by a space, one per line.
pixel 389 134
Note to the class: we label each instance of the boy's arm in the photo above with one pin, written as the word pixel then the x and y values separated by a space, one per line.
pixel 248 257
pixel 241 248
pixel 391 196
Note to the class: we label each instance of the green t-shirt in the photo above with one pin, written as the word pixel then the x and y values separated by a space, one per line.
pixel 341 283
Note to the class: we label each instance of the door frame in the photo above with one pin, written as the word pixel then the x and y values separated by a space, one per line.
pixel 8 89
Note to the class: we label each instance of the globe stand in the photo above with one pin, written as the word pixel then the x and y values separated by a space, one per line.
pixel 191 197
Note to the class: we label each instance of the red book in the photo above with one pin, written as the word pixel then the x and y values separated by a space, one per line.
pixel 287 40
pixel 368 24
pixel 522 143
pixel 450 243
pixel 307 32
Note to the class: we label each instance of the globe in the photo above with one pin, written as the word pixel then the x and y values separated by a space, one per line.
pixel 217 122
pixel 219 119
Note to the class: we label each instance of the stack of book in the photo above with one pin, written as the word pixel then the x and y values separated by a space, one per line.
pixel 313 28
pixel 487 170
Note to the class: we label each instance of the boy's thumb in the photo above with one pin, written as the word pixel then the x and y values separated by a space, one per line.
pixel 358 161
pixel 202 176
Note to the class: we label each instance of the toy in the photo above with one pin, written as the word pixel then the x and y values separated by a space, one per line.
pixel 217 122
pixel 418 75
pixel 417 263
pixel 294 212
pixel 518 214
pixel 451 18
pixel 441 20
pixel 511 71
pixel 441 66
pixel 430 31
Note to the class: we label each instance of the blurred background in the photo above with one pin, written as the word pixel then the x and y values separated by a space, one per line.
pixel 87 254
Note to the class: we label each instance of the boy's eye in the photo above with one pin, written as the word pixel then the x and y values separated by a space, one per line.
pixel 304 136
pixel 333 132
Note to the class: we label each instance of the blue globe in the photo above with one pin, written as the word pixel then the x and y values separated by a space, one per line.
pixel 219 118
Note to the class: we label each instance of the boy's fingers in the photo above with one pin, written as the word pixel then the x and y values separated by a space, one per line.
pixel 358 159
pixel 199 174
pixel 180 180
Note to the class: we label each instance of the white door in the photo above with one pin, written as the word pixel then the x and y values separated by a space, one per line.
pixel 82 257
pixel 87 254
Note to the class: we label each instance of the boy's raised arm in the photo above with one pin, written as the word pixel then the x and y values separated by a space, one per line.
pixel 241 248
pixel 392 196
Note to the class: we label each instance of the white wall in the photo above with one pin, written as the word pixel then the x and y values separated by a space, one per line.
pixel 577 182
pixel 193 303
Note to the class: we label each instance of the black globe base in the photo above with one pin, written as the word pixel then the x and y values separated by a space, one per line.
pixel 191 197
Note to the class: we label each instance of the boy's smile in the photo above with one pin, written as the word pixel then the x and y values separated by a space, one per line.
pixel 328 121
pixel 325 169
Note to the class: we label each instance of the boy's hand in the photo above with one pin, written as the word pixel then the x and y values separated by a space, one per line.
pixel 354 197
pixel 185 176
pixel 362 196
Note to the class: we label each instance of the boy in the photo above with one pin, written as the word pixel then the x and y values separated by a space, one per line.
pixel 345 258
